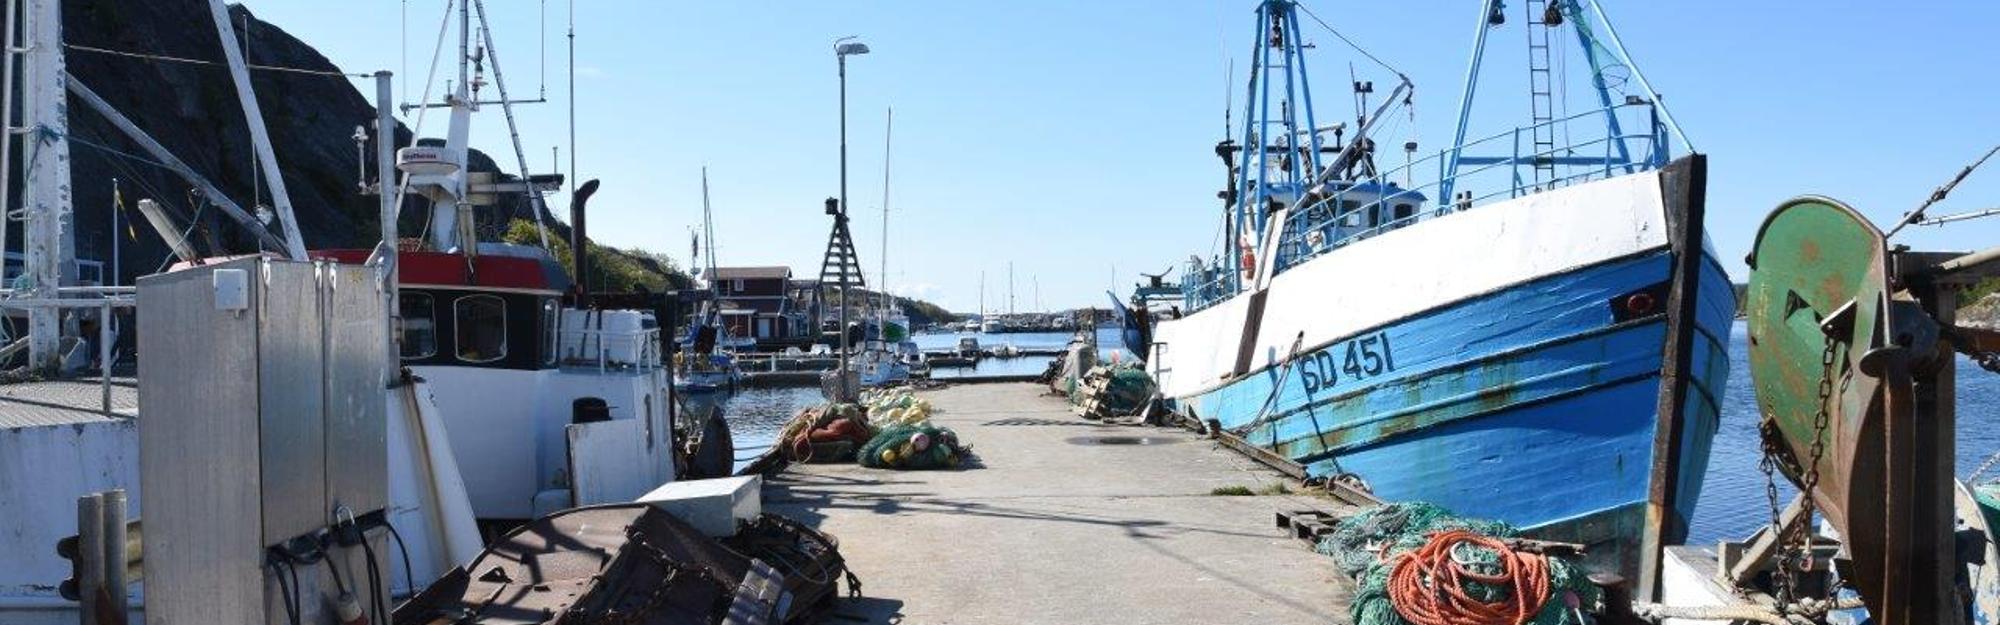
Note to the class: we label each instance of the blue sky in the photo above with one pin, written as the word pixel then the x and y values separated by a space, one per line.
pixel 1075 139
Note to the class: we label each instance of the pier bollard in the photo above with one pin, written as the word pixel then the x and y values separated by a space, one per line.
pixel 89 556
pixel 1617 600
pixel 113 541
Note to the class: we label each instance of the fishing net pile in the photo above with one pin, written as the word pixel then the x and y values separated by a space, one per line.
pixel 905 437
pixel 826 433
pixel 1112 391
pixel 913 447
pixel 1418 564
pixel 888 429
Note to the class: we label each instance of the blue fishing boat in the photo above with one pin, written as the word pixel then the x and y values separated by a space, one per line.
pixel 1532 332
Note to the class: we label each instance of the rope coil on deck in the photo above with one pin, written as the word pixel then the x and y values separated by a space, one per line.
pixel 1429 586
pixel 1416 563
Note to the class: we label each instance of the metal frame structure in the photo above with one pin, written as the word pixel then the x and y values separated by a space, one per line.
pixel 1277 28
pixel 1576 13
pixel 1258 183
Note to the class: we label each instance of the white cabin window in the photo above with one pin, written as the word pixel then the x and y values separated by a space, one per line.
pixel 419 314
pixel 482 328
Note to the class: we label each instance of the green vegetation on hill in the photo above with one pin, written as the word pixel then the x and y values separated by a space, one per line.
pixel 921 313
pixel 1979 291
pixel 612 269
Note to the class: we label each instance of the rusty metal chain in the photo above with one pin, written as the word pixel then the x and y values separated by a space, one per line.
pixel 1821 417
pixel 1794 547
pixel 1782 573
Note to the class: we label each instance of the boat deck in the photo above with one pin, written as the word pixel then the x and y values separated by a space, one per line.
pixel 63 402
pixel 1051 525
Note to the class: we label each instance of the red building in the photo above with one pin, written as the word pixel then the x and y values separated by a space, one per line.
pixel 758 303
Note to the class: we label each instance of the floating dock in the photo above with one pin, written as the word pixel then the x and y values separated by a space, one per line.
pixel 1063 520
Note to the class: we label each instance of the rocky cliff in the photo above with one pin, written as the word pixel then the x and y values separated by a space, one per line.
pixel 192 109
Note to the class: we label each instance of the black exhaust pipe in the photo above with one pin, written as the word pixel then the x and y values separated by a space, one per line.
pixel 578 242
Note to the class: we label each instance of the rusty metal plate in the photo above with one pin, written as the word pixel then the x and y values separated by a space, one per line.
pixel 1819 276
pixel 1813 256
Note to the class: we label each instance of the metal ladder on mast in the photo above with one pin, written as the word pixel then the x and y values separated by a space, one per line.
pixel 1541 88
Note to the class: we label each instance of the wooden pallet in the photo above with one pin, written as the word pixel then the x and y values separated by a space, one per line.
pixel 1307 525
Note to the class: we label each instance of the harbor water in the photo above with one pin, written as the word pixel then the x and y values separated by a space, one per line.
pixel 1733 502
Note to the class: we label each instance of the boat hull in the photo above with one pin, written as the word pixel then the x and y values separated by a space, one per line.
pixel 1507 374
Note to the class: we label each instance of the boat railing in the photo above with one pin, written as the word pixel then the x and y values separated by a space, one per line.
pixel 611 350
pixel 76 300
pixel 1472 179
pixel 1591 158
pixel 1204 284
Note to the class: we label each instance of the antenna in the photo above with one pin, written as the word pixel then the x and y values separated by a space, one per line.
pixel 572 89
pixel 1228 98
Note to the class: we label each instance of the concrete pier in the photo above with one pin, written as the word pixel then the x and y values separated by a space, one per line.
pixel 1054 525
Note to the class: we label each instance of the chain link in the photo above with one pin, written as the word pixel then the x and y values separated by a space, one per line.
pixel 1782 573
pixel 1821 418
pixel 1794 546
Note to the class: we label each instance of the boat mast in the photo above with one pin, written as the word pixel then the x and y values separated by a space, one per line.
pixel 887 127
pixel 1581 16
pixel 1274 171
pixel 441 175
pixel 48 241
pixel 708 230
pixel 260 137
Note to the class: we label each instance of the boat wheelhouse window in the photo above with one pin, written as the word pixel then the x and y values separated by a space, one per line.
pixel 550 331
pixel 482 328
pixel 419 313
pixel 1350 209
pixel 1405 211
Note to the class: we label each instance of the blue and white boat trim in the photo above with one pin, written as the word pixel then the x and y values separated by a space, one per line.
pixel 1516 364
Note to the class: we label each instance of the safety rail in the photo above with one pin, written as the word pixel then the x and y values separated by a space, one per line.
pixel 610 350
pixel 1204 284
pixel 80 299
pixel 1315 230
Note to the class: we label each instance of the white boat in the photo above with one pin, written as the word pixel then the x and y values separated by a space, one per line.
pixel 1535 337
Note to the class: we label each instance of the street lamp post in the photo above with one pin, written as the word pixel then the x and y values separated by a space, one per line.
pixel 843 47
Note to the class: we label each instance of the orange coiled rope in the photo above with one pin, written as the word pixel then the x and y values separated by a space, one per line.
pixel 1427 585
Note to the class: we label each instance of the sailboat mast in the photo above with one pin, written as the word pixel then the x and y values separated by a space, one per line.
pixel 708 231
pixel 887 127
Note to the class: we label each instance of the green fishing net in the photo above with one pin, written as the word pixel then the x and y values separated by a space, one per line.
pixel 896 447
pixel 1366 545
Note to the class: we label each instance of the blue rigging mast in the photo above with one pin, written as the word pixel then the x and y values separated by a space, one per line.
pixel 1275 169
pixel 1543 154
